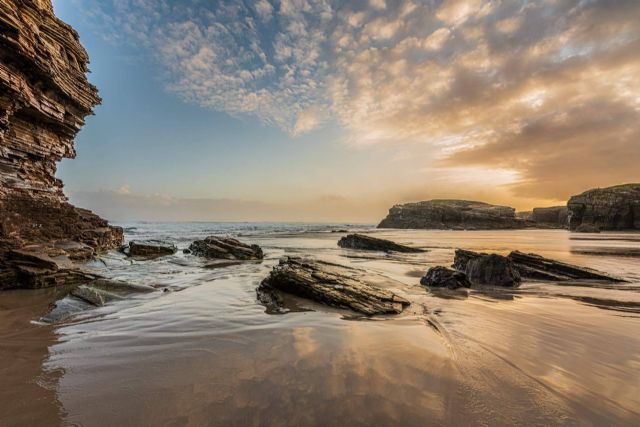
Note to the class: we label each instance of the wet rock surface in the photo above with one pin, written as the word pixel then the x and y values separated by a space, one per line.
pixel 149 249
pixel 532 266
pixel 611 208
pixel 487 269
pixel 225 248
pixel 44 98
pixel 452 214
pixel 363 242
pixel 327 283
pixel 443 277
pixel 91 294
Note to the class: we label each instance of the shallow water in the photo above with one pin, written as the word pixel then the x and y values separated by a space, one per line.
pixel 208 354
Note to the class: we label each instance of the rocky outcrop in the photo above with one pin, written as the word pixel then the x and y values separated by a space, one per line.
pixel 368 243
pixel 148 249
pixel 452 214
pixel 550 217
pixel 443 277
pixel 44 98
pixel 612 208
pixel 329 284
pixel 528 266
pixel 225 248
pixel 487 269
pixel 535 267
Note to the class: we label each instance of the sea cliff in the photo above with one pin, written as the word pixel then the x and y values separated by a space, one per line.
pixel 44 99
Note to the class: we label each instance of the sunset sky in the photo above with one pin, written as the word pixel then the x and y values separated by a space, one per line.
pixel 334 111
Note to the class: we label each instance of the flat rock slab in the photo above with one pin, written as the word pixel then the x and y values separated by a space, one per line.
pixel 536 267
pixel 361 241
pixel 532 266
pixel 149 249
pixel 331 284
pixel 214 247
pixel 443 277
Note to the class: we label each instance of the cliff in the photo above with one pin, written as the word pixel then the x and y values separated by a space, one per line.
pixel 554 217
pixel 452 214
pixel 44 98
pixel 612 208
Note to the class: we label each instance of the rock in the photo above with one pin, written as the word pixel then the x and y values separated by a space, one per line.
pixel 329 284
pixel 93 296
pixel 38 267
pixel 554 217
pixel 186 251
pixel 93 293
pixel 486 269
pixel 452 214
pixel 441 277
pixel 611 208
pixel 535 267
pixel 44 98
pixel 360 241
pixel 149 249
pixel 225 248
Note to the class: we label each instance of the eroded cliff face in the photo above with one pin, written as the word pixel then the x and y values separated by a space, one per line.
pixel 452 214
pixel 44 98
pixel 612 208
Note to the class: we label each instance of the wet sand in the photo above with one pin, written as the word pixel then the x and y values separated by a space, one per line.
pixel 208 354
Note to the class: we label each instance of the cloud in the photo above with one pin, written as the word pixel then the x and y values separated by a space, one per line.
pixel 548 89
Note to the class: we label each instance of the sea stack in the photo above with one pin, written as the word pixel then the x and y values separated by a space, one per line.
pixel 452 214
pixel 611 208
pixel 44 98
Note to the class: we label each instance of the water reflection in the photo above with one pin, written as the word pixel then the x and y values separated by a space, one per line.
pixel 544 354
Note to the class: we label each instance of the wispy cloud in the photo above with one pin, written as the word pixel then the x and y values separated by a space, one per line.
pixel 547 89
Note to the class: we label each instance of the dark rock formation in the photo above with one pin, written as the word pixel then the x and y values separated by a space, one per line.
pixel 440 277
pixel 486 269
pixel 452 214
pixel 149 249
pixel 612 208
pixel 225 248
pixel 329 284
pixel 554 216
pixel 535 267
pixel 44 98
pixel 360 241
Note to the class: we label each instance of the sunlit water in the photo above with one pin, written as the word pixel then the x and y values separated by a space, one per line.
pixel 206 353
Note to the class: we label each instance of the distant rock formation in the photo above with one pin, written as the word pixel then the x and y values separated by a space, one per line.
pixel 452 214
pixel 44 98
pixel 554 216
pixel 611 208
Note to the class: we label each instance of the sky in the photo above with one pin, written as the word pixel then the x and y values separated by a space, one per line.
pixel 326 111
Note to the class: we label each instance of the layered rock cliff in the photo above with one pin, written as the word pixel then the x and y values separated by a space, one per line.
pixel 612 208
pixel 44 98
pixel 452 214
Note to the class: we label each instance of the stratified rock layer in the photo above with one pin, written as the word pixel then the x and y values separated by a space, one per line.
pixel 214 247
pixel 368 243
pixel 330 284
pixel 452 214
pixel 612 208
pixel 44 98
